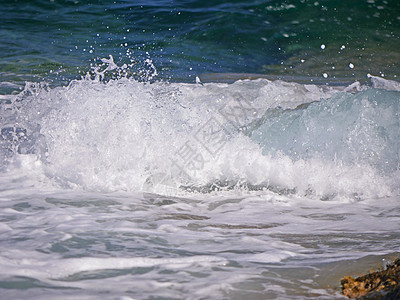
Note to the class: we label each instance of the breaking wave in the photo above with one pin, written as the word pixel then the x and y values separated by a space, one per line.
pixel 125 134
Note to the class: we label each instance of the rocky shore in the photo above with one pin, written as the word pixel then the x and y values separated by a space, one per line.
pixel 379 285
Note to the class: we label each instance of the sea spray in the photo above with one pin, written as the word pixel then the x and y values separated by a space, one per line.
pixel 105 134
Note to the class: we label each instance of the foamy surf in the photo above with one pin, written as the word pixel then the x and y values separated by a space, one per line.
pixel 142 188
pixel 128 135
pixel 173 170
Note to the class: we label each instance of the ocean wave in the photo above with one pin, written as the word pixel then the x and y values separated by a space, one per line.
pixel 128 135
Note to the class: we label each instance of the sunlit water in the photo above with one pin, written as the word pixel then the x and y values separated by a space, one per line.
pixel 255 189
pixel 128 172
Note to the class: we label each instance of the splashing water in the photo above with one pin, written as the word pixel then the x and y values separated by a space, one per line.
pixel 119 133
pixel 131 183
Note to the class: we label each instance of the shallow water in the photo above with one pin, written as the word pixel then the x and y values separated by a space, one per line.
pixel 86 245
pixel 123 176
pixel 159 199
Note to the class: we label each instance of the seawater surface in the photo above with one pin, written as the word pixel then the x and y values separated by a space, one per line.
pixel 124 176
pixel 256 189
pixel 57 40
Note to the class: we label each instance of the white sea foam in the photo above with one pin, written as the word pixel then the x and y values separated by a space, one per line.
pixel 66 243
pixel 118 135
pixel 32 264
pixel 381 83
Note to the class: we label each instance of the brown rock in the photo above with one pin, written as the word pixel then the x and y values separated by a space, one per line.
pixel 382 285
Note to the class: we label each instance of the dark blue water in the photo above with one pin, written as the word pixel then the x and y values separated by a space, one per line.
pixel 58 40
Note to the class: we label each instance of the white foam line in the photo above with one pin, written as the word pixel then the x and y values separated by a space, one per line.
pixel 58 269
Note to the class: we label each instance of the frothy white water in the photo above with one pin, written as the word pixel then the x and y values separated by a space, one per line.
pixel 66 244
pixel 132 189
pixel 125 135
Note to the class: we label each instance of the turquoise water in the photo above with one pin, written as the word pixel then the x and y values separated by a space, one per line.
pixel 138 162
pixel 59 39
